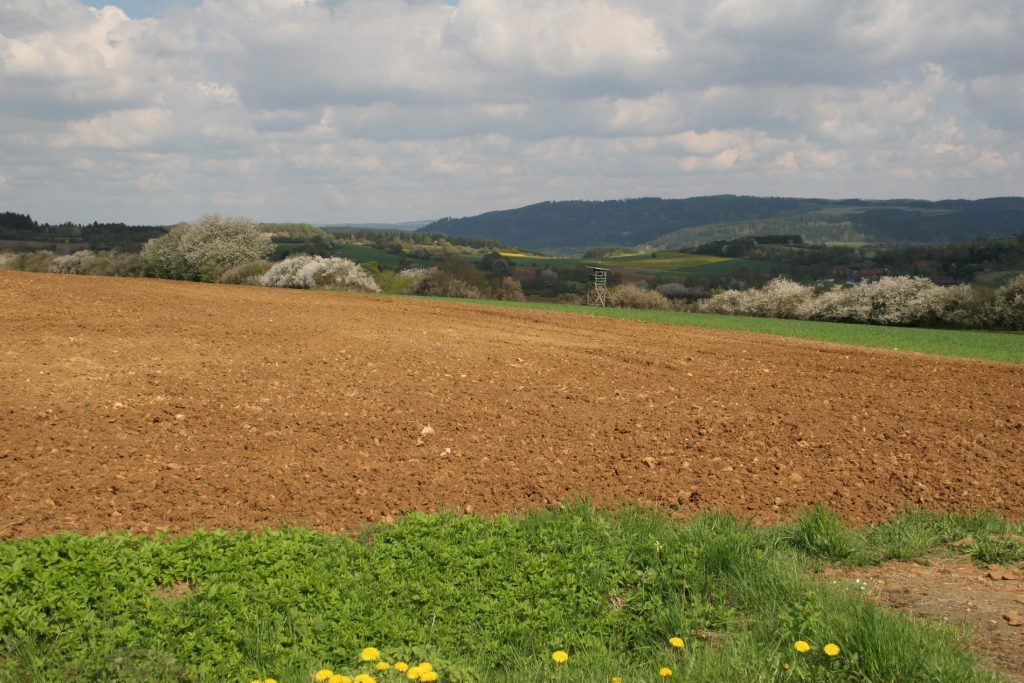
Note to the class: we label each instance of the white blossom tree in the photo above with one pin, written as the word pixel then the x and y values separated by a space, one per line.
pixel 204 249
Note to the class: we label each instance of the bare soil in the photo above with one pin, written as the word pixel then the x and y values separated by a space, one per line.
pixel 146 404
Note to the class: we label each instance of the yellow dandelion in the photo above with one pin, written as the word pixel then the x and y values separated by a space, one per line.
pixel 338 678
pixel 802 646
pixel 676 642
pixel 369 654
pixel 365 678
pixel 323 675
pixel 664 672
pixel 269 680
pixel 428 677
pixel 785 665
pixel 560 656
pixel 383 666
pixel 616 679
pixel 413 673
pixel 401 666
pixel 831 649
pixel 425 666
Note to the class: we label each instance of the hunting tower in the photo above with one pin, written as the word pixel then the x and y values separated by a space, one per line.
pixel 597 290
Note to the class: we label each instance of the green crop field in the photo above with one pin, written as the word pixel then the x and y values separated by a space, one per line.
pixel 983 345
pixel 663 260
pixel 623 593
pixel 361 253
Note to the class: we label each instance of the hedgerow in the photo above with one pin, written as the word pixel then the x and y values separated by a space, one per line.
pixel 902 300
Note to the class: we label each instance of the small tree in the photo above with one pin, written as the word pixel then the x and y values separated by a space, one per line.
pixel 631 296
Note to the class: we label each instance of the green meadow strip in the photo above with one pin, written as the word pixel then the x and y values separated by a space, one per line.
pixel 573 594
pixel 1005 347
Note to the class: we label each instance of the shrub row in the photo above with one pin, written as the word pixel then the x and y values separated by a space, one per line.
pixel 902 300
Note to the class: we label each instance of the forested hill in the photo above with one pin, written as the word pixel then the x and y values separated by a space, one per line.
pixel 631 222
pixel 20 231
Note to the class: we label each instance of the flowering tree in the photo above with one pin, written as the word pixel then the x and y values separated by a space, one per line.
pixel 204 249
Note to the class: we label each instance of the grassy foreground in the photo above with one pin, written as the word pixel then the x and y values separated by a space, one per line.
pixel 997 346
pixel 479 599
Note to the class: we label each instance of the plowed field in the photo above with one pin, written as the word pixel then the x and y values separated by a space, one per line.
pixel 145 404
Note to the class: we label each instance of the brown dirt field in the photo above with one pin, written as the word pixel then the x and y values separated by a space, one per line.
pixel 145 404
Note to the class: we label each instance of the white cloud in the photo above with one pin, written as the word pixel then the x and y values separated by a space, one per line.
pixel 396 109
pixel 126 129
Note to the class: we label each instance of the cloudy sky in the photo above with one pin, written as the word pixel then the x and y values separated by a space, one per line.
pixel 388 110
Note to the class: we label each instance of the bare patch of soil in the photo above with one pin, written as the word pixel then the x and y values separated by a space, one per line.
pixel 954 590
pixel 146 404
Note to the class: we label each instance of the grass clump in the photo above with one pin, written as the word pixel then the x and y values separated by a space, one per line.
pixel 569 595
pixel 819 532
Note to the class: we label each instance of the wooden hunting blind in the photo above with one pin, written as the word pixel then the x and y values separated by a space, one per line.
pixel 597 289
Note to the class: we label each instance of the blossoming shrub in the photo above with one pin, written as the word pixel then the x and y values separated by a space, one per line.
pixel 312 272
pixel 79 263
pixel 86 262
pixel 34 261
pixel 780 298
pixel 1008 304
pixel 631 296
pixel 248 273
pixel 206 248
pixel 902 300
pixel 436 282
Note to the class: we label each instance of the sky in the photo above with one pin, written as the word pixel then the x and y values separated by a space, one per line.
pixel 390 110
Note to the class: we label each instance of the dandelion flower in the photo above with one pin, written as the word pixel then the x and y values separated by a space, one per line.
pixel 323 675
pixel 426 666
pixel 269 680
pixel 365 678
pixel 383 666
pixel 401 666
pixel 560 656
pixel 831 649
pixel 338 678
pixel 785 665
pixel 616 679
pixel 369 654
pixel 676 642
pixel 428 677
pixel 413 673
pixel 802 646
pixel 664 672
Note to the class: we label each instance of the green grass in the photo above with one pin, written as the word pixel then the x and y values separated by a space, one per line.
pixel 481 599
pixel 996 346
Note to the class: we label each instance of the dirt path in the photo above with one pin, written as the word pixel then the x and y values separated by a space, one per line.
pixel 145 404
pixel 988 600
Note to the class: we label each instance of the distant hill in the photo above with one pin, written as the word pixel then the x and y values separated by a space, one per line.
pixel 675 223
pixel 405 225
